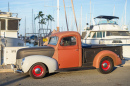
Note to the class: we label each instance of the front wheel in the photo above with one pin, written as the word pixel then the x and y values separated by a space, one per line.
pixel 106 65
pixel 37 71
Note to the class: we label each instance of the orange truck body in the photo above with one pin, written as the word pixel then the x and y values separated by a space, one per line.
pixel 72 56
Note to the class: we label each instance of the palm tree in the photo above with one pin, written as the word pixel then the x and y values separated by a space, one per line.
pixel 39 15
pixel 49 18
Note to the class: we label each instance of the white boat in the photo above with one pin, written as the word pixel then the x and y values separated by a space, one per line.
pixel 9 41
pixel 107 31
pixel 9 27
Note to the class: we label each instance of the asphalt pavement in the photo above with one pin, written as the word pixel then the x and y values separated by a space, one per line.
pixel 120 76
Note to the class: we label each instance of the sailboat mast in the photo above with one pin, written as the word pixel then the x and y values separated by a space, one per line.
pixel 8 7
pixel 81 19
pixel 58 15
pixel 125 11
pixel 32 21
pixel 74 14
pixel 0 28
pixel 90 12
pixel 25 31
pixel 65 16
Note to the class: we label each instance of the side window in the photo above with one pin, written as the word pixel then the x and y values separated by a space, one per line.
pixel 103 34
pixel 99 34
pixel 68 41
pixel 94 35
pixel 89 35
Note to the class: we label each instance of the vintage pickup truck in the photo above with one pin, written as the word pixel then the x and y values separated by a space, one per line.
pixel 65 50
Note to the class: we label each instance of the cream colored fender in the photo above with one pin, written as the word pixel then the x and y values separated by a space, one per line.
pixel 31 60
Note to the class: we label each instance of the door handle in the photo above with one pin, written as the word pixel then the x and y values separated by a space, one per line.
pixel 77 49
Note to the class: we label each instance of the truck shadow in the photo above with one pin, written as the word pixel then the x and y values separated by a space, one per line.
pixel 14 80
pixel 125 60
pixel 69 70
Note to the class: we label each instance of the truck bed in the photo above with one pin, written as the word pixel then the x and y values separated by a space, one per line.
pixel 90 51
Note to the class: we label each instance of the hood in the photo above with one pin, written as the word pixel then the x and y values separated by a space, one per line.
pixel 44 50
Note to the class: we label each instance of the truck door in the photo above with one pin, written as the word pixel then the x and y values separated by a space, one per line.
pixel 68 52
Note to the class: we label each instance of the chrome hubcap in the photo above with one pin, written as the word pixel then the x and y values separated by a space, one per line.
pixel 37 70
pixel 105 65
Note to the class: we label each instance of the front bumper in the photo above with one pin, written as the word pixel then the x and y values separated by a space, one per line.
pixel 13 67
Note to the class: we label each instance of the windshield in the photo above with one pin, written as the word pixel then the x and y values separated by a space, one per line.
pixel 118 33
pixel 105 21
pixel 53 40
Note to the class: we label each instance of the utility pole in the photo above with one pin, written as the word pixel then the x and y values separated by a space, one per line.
pixel 74 14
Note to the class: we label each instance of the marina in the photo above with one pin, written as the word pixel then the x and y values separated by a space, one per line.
pixel 49 39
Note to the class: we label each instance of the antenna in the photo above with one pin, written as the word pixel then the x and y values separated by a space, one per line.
pixel 114 11
pixel 8 7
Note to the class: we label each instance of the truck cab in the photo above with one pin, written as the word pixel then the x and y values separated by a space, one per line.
pixel 65 50
pixel 68 49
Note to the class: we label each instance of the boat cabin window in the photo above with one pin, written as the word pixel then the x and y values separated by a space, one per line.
pixel 2 24
pixel 118 33
pixel 12 24
pixel 98 34
pixel 105 21
pixel 68 41
pixel 95 35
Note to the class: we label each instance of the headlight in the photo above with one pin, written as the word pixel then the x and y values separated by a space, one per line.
pixel 22 61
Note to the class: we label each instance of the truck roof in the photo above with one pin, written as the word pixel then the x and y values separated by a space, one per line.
pixel 60 34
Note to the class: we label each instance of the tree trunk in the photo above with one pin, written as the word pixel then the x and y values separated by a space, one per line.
pixel 39 23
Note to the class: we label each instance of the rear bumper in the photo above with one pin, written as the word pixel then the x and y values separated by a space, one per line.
pixel 13 67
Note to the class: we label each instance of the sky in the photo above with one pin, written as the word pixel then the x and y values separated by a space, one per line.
pixel 98 7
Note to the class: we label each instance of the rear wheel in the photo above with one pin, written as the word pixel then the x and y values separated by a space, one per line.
pixel 38 71
pixel 106 65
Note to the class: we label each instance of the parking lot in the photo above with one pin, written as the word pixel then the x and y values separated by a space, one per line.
pixel 91 77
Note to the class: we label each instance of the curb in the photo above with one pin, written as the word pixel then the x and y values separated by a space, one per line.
pixel 5 70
